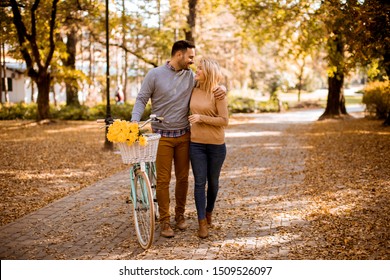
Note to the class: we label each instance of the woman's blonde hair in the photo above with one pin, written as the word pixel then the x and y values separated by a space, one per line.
pixel 212 73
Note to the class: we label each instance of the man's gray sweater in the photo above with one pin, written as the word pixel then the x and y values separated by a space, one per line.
pixel 170 93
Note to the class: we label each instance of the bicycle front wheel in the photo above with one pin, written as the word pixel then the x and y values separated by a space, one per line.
pixel 153 184
pixel 144 219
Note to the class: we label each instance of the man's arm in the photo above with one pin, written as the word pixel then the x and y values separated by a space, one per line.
pixel 220 92
pixel 143 97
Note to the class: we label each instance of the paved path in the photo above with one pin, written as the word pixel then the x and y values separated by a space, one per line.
pixel 265 161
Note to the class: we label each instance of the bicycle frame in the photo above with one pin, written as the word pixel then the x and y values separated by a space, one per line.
pixel 149 169
pixel 143 195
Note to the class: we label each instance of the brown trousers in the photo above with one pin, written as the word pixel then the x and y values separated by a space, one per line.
pixel 176 150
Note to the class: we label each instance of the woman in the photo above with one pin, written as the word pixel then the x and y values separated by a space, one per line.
pixel 207 147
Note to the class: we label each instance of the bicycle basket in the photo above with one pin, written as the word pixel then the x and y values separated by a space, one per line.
pixel 137 153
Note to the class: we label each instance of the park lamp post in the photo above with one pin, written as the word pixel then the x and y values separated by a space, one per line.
pixel 108 120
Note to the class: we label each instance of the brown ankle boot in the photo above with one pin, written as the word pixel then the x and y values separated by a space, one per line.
pixel 181 222
pixel 203 229
pixel 208 217
pixel 166 230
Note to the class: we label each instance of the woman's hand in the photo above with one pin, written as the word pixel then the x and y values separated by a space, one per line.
pixel 194 118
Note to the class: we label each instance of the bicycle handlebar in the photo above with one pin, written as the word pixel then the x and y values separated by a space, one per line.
pixel 152 118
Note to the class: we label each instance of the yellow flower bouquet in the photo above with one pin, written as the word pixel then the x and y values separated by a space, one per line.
pixel 134 145
pixel 121 131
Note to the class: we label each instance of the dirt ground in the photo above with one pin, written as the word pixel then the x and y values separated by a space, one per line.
pixel 346 179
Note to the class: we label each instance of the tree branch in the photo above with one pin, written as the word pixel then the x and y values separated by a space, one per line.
pixel 52 27
pixel 22 35
pixel 122 46
pixel 136 54
pixel 33 38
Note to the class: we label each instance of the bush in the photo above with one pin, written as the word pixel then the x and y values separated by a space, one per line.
pixel 376 96
pixel 29 112
pixel 118 111
pixel 248 105
pixel 71 113
pixel 97 111
pixel 122 111
pixel 18 111
pixel 242 105
pixel 271 106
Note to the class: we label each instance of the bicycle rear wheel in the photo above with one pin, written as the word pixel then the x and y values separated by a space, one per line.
pixel 144 219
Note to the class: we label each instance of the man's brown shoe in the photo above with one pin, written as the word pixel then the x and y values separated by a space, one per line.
pixel 166 230
pixel 181 222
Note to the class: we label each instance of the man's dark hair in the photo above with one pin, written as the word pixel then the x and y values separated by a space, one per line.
pixel 181 45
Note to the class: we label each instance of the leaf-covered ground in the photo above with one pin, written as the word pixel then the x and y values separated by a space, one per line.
pixel 44 162
pixel 337 207
pixel 347 189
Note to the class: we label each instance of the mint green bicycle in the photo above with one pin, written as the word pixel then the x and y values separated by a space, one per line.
pixel 143 183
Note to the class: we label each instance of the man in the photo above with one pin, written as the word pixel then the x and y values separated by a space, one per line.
pixel 169 87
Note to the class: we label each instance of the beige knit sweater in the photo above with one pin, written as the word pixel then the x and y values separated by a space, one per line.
pixel 214 117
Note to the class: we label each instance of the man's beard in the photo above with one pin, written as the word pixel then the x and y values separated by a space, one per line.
pixel 184 65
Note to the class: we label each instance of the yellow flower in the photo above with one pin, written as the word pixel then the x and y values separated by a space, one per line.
pixel 133 127
pixel 121 131
pixel 143 141
pixel 131 139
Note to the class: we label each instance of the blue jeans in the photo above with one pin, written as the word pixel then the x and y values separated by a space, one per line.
pixel 206 162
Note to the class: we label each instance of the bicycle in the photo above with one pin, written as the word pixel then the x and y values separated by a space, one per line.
pixel 143 183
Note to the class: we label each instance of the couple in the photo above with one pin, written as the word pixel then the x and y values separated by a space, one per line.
pixel 174 90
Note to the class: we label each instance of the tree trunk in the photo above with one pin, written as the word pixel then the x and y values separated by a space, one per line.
pixel 32 90
pixel 72 98
pixel 4 76
pixel 52 89
pixel 387 121
pixel 335 106
pixel 1 73
pixel 125 75
pixel 91 73
pixel 300 79
pixel 191 20
pixel 32 56
pixel 43 84
pixel 386 62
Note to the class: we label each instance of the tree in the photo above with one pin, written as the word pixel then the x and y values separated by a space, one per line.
pixel 370 32
pixel 340 22
pixel 37 46
pixel 5 22
pixel 358 34
pixel 70 63
pixel 371 36
pixel 302 46
pixel 334 15
pixel 289 24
